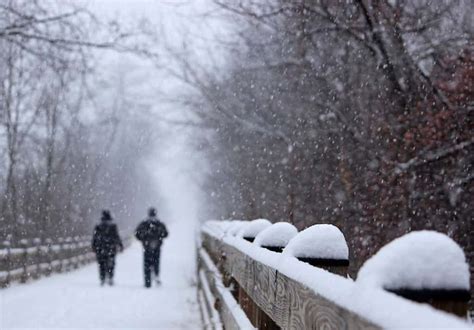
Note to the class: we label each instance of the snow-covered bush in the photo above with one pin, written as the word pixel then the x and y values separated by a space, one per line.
pixel 319 242
pixel 418 260
pixel 276 236
pixel 250 230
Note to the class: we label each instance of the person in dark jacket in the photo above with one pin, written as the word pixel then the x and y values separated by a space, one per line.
pixel 105 243
pixel 151 233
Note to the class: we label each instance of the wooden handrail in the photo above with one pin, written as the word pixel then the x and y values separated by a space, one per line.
pixel 285 301
pixel 274 297
pixel 35 258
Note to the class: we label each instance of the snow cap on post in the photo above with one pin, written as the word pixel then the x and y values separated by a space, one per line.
pixel 234 227
pixel 251 229
pixel 276 237
pixel 425 266
pixel 223 225
pixel 322 246
pixel 212 226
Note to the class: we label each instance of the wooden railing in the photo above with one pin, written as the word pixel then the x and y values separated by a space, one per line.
pixel 241 286
pixel 31 259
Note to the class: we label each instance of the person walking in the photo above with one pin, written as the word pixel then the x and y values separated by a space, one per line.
pixel 151 233
pixel 105 243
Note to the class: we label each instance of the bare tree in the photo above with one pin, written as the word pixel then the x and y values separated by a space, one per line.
pixel 341 112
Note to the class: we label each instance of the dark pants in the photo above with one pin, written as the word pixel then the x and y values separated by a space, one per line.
pixel 151 262
pixel 106 266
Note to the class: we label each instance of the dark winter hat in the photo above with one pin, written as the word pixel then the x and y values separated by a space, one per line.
pixel 152 212
pixel 106 216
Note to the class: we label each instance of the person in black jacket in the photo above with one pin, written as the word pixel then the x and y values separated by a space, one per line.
pixel 105 243
pixel 151 233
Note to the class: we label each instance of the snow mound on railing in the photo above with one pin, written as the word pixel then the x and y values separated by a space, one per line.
pixel 372 303
pixel 235 227
pixel 277 235
pixel 215 227
pixel 253 228
pixel 318 241
pixel 418 260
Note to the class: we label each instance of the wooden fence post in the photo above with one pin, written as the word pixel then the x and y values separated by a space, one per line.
pixel 24 260
pixel 37 257
pixel 6 265
pixel 323 246
pixel 49 255
pixel 251 229
pixel 247 305
pixel 69 253
pixel 274 238
pixel 89 256
pixel 61 253
pixel 77 251
pixel 424 262
pixel 87 250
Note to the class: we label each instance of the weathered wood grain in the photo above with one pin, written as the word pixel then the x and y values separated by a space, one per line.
pixel 288 303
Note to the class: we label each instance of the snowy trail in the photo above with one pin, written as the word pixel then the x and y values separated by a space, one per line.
pixel 75 299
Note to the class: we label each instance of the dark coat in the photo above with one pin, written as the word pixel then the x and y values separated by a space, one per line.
pixel 151 233
pixel 106 239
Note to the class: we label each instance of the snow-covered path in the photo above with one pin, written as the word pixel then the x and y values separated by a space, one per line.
pixel 75 299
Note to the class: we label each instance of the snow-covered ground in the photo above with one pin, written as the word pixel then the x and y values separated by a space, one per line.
pixel 75 299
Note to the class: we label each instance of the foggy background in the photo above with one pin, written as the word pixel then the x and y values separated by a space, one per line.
pixel 171 162
pixel 306 112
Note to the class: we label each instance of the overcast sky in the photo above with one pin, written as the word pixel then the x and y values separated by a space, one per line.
pixel 173 165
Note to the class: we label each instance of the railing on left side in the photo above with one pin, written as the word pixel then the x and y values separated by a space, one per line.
pixel 31 259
